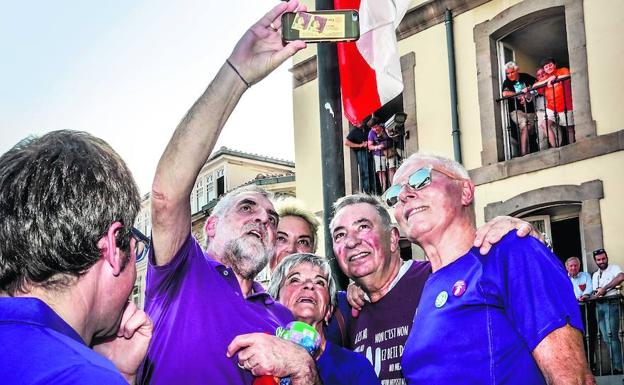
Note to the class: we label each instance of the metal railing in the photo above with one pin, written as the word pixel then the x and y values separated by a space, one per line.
pixel 394 154
pixel 544 129
pixel 604 333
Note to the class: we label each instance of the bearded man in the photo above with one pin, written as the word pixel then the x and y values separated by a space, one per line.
pixel 205 303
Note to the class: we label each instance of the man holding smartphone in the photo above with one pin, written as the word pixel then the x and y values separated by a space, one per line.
pixel 201 300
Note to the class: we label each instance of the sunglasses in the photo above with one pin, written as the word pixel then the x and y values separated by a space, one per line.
pixel 141 244
pixel 599 251
pixel 418 180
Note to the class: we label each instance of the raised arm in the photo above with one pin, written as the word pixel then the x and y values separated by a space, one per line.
pixel 257 54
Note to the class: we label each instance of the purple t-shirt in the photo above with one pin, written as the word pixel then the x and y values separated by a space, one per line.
pixel 198 308
pixel 377 139
pixel 481 317
pixel 381 329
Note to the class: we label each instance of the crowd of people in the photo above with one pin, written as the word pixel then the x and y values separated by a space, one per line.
pixel 485 308
pixel 543 101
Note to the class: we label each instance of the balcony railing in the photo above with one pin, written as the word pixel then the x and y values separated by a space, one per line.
pixel 526 118
pixel 369 180
pixel 604 333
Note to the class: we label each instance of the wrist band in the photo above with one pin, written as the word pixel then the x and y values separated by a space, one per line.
pixel 238 73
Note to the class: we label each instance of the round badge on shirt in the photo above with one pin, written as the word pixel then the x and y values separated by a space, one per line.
pixel 441 299
pixel 459 288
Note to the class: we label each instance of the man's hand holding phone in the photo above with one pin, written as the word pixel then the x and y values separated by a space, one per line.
pixel 321 26
pixel 261 50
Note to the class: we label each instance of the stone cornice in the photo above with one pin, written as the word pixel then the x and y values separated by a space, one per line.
pixel 586 148
pixel 428 14
pixel 304 71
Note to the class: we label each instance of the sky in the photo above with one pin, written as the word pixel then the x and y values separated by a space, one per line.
pixel 127 71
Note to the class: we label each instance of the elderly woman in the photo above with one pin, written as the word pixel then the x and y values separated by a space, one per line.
pixel 506 317
pixel 296 233
pixel 304 284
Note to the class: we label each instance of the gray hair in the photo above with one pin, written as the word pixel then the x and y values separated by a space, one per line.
pixel 293 207
pixel 355 199
pixel 572 259
pixel 511 65
pixel 227 201
pixel 446 163
pixel 283 268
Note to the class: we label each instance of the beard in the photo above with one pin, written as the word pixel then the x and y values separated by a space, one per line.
pixel 247 257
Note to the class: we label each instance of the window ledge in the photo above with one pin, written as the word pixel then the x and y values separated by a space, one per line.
pixel 583 149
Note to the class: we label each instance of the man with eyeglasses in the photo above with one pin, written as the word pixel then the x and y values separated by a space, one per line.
pixel 67 264
pixel 366 245
pixel 213 322
pixel 502 317
pixel 605 281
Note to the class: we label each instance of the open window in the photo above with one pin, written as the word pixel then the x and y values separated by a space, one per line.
pixel 220 183
pixel 529 31
pixel 525 121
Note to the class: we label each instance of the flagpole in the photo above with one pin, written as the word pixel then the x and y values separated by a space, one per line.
pixel 330 113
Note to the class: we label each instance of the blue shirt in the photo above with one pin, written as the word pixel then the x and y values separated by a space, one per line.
pixel 339 366
pixel 39 347
pixel 198 308
pixel 481 317
pixel 582 284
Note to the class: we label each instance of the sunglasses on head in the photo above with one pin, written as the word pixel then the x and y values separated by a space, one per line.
pixel 599 251
pixel 418 180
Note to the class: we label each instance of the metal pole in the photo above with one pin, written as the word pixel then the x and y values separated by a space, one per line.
pixel 332 161
pixel 450 49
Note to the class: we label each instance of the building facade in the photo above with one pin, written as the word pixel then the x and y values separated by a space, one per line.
pixel 571 191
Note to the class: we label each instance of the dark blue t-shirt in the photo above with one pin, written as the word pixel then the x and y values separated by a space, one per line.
pixel 37 347
pixel 339 366
pixel 481 317
pixel 338 331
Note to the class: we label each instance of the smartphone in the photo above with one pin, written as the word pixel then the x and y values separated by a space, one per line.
pixel 321 26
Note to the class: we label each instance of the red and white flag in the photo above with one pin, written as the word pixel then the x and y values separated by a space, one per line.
pixel 370 69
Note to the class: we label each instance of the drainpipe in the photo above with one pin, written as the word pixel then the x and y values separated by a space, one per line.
pixel 450 49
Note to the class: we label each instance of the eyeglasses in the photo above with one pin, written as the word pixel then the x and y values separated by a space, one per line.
pixel 418 180
pixel 141 244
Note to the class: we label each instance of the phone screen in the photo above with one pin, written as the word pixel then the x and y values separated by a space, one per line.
pixel 321 26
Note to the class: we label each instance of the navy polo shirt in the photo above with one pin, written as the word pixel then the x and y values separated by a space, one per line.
pixel 39 347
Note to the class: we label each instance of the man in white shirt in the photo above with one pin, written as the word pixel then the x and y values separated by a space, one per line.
pixel 605 280
pixel 581 281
